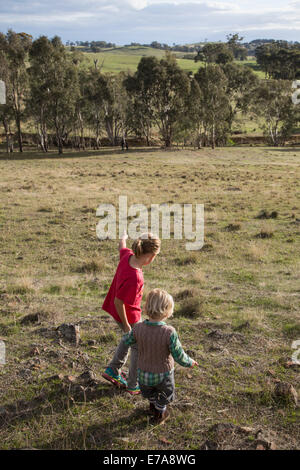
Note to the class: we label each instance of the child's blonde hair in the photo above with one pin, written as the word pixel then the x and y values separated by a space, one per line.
pixel 159 304
pixel 146 244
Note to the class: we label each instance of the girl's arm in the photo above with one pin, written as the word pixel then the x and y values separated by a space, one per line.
pixel 123 239
pixel 120 307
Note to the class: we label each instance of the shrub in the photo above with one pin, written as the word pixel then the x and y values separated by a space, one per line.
pixel 191 308
pixel 92 266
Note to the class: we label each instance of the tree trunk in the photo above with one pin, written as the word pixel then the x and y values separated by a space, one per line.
pixel 109 130
pixel 82 139
pixel 7 132
pixel 213 137
pixel 43 133
pixel 98 141
pixel 20 138
pixel 59 143
pixel 167 142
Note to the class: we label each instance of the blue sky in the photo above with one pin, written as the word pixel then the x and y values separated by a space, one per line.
pixel 169 21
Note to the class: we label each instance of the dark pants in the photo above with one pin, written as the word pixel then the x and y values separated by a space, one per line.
pixel 160 395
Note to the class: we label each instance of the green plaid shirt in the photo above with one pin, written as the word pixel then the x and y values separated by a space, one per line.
pixel 150 378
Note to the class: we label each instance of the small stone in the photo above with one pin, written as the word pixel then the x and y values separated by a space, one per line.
pixel 87 377
pixel 69 332
pixel 286 391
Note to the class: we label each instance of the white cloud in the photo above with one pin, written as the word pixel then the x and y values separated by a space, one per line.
pixel 145 20
pixel 138 4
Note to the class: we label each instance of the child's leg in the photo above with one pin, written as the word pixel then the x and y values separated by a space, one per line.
pixel 132 375
pixel 150 394
pixel 119 358
pixel 165 393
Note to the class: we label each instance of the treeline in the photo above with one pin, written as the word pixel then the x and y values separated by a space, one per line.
pixel 222 53
pixel 46 86
pixel 91 44
pixel 279 60
pixel 246 48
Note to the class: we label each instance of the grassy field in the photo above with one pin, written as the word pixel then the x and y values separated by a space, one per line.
pixel 127 59
pixel 237 300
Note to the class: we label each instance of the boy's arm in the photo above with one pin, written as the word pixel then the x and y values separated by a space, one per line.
pixel 120 307
pixel 178 353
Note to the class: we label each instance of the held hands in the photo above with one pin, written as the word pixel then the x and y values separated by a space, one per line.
pixel 127 328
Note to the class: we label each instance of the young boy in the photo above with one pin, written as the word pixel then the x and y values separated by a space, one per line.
pixel 158 347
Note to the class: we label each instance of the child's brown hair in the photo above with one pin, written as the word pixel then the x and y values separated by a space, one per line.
pixel 146 244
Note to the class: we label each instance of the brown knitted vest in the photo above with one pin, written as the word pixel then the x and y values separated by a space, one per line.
pixel 153 347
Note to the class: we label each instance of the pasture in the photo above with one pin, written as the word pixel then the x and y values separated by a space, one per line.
pixel 236 300
pixel 127 58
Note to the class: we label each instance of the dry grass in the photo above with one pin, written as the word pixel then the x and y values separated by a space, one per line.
pixel 237 300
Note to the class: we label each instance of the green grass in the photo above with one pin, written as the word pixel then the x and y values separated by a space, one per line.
pixel 127 59
pixel 236 300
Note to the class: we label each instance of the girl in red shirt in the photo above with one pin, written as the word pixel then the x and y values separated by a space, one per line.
pixel 123 303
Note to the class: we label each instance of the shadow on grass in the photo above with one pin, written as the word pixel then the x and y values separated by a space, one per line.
pixel 34 155
pixel 59 398
pixel 105 436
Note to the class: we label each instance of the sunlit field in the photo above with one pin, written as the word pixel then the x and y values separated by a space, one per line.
pixel 236 300
pixel 124 59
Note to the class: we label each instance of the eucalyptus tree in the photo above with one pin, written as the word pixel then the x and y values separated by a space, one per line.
pixel 234 44
pixel 279 60
pixel 54 89
pixel 115 106
pixel 161 89
pixel 240 89
pixel 6 109
pixel 214 52
pixel 16 46
pixel 214 104
pixel 274 104
pixel 140 112
pixel 41 62
pixel 95 98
